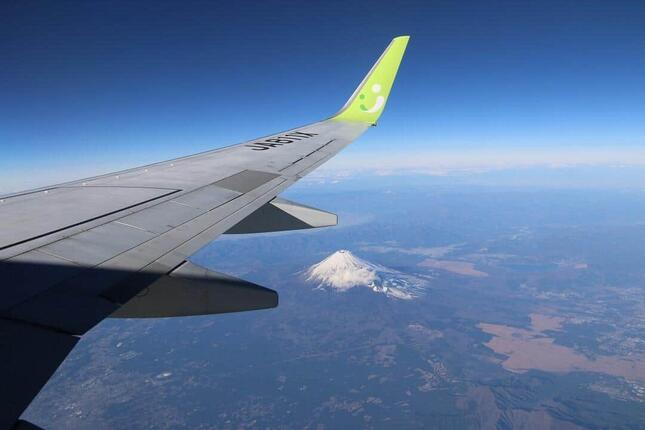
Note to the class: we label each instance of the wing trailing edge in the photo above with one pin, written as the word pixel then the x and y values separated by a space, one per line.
pixel 194 290
pixel 284 215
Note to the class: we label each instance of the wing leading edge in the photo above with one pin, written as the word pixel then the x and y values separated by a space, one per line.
pixel 75 253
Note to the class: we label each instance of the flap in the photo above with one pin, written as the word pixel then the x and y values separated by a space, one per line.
pixel 30 355
pixel 195 290
pixel 284 215
pixel 34 214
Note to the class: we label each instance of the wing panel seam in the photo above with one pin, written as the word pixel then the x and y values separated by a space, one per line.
pixel 87 220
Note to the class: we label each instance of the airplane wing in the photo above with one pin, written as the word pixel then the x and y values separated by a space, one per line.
pixel 117 245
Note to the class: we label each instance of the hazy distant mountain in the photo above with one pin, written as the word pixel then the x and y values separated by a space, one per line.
pixel 342 270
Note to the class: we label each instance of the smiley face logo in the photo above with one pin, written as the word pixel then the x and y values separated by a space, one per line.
pixel 378 104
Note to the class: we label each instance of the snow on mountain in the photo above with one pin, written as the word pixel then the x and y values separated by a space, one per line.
pixel 342 270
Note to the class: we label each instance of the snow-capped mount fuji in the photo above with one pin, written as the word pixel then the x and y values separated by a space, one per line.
pixel 342 271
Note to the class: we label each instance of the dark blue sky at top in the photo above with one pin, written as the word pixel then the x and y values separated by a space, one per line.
pixel 116 84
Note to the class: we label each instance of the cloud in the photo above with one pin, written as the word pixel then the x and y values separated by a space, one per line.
pixel 455 162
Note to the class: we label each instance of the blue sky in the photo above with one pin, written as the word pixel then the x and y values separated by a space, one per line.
pixel 89 87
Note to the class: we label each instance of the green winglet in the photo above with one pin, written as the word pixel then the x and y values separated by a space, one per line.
pixel 368 101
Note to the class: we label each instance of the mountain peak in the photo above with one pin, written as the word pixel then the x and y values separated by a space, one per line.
pixel 342 271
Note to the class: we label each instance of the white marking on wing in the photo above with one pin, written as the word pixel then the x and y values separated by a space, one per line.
pixel 380 101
